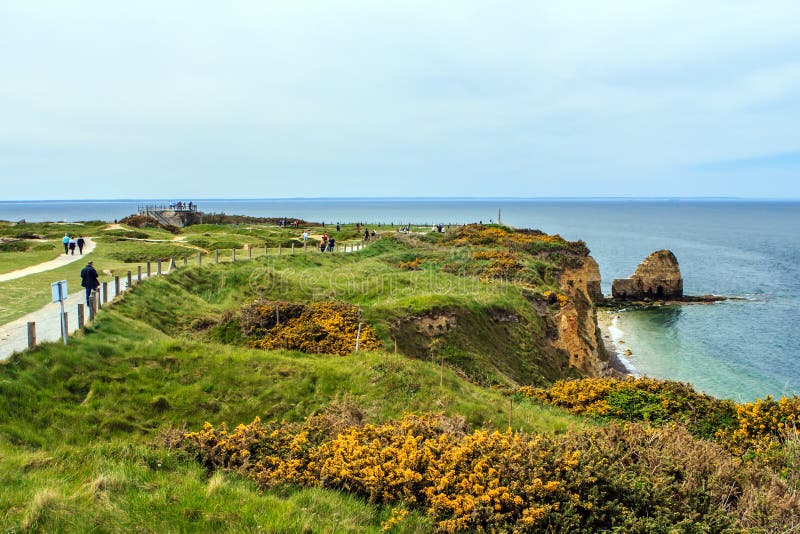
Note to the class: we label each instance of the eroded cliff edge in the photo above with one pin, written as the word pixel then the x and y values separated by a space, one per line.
pixel 578 331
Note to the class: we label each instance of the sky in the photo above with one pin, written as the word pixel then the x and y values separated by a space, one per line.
pixel 273 99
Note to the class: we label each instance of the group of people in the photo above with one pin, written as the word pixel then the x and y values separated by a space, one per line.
pixel 180 205
pixel 71 244
pixel 326 243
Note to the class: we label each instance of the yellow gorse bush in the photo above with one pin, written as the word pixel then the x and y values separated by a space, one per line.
pixel 631 478
pixel 759 427
pixel 329 327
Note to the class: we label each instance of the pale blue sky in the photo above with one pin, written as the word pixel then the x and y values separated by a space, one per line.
pixel 284 99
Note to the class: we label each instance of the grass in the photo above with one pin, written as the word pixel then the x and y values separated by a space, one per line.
pixel 77 426
pixel 36 252
pixel 81 426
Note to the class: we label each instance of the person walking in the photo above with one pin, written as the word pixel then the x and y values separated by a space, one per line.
pixel 81 242
pixel 331 243
pixel 72 245
pixel 66 243
pixel 366 234
pixel 89 280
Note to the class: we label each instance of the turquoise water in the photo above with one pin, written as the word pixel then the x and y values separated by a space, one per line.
pixel 741 349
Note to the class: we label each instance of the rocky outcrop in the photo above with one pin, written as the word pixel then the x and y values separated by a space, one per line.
pixel 578 332
pixel 657 277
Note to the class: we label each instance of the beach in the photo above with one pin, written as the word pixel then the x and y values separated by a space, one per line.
pixel 611 340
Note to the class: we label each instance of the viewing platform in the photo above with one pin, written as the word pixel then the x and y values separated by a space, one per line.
pixel 177 214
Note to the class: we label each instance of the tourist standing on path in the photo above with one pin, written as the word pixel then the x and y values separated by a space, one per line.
pixel 331 243
pixel 66 243
pixel 89 280
pixel 72 245
pixel 366 234
pixel 80 241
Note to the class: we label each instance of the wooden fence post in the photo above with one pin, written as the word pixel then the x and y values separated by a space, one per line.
pixel 249 253
pixel 138 273
pixel 185 261
pixel 158 267
pixel 266 250
pixel 116 286
pixel 130 281
pixel 80 316
pixel 171 264
pixel 292 248
pixel 105 292
pixel 148 269
pixel 199 258
pixel 233 255
pixel 31 335
pixel 92 305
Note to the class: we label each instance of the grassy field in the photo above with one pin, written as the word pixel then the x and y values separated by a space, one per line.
pixel 88 432
pixel 35 252
pixel 81 427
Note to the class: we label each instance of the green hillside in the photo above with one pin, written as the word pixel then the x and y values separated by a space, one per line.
pixel 101 435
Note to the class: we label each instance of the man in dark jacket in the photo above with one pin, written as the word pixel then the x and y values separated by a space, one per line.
pixel 80 241
pixel 89 280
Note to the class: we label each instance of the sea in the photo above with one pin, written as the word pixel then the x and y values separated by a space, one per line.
pixel 744 348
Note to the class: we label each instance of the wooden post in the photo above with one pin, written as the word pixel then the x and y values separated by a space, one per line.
pixel 249 253
pixel 292 248
pixel 158 267
pixel 92 305
pixel 395 346
pixel 171 264
pixel 148 270
pixel 105 292
pixel 233 255
pixel 31 335
pixel 266 250
pixel 138 273
pixel 185 261
pixel 80 316
pixel 199 258
pixel 116 286
pixel 216 255
pixel 358 336
pixel 130 281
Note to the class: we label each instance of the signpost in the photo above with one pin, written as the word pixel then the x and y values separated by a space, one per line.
pixel 59 292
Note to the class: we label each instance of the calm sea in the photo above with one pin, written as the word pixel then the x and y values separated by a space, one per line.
pixel 742 349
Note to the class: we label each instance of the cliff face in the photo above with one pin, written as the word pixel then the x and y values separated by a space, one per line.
pixel 578 333
pixel 657 277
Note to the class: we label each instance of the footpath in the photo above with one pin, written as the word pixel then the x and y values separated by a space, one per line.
pixel 63 259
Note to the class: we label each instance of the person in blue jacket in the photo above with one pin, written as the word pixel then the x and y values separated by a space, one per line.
pixel 66 243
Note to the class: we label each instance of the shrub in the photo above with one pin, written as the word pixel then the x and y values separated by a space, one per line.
pixel 320 327
pixel 631 478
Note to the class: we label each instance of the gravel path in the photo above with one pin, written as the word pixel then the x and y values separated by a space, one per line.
pixel 63 259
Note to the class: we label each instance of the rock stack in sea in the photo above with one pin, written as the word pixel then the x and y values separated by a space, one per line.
pixel 657 277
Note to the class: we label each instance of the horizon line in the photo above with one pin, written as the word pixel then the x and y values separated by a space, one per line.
pixel 422 198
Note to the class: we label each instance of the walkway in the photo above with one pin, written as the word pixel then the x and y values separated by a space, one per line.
pixel 63 259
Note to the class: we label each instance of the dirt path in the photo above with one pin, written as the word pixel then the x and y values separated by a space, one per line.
pixel 63 259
